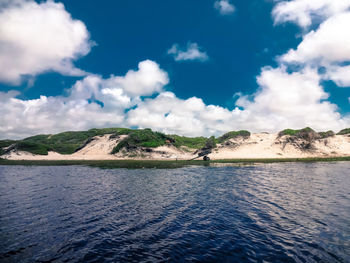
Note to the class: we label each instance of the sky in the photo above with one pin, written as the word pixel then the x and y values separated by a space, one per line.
pixel 195 68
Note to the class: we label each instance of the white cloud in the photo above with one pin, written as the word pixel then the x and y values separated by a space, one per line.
pixel 284 99
pixel 192 53
pixel 53 114
pixel 340 75
pixel 291 100
pixel 35 38
pixel 224 7
pixel 81 109
pixel 329 43
pixel 328 46
pixel 303 12
pixel 170 114
pixel 146 81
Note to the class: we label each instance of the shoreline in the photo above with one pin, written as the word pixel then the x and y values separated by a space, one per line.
pixel 166 164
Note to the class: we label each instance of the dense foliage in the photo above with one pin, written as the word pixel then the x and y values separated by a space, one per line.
pixel 32 147
pixel 210 143
pixel 326 134
pixel 232 135
pixel 344 131
pixel 5 143
pixel 192 143
pixel 307 132
pixel 143 138
pixel 292 132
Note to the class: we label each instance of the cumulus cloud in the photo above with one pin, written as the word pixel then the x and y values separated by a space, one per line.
pixel 291 100
pixel 146 81
pixel 340 75
pixel 329 43
pixel 35 38
pixel 303 12
pixel 91 102
pixel 328 46
pixel 284 99
pixel 224 7
pixel 192 53
pixel 170 114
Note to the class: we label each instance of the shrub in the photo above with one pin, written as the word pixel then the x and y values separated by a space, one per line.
pixel 5 143
pixel 233 134
pixel 292 132
pixel 344 131
pixel 210 143
pixel 193 143
pixel 142 138
pixel 35 148
pixel 326 134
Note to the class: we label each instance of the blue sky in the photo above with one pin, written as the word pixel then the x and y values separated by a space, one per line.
pixel 242 72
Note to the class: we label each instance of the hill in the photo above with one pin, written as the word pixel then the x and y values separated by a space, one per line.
pixel 121 143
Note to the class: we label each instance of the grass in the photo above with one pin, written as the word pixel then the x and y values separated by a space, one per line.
pixel 192 143
pixel 148 164
pixel 232 135
pixel 344 131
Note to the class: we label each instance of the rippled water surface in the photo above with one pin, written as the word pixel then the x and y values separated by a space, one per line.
pixel 292 212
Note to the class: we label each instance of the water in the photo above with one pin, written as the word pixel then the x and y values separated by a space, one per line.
pixel 292 212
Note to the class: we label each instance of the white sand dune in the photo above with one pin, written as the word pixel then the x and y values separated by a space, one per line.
pixel 263 145
pixel 259 145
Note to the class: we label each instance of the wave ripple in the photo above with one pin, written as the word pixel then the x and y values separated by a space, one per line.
pixel 292 212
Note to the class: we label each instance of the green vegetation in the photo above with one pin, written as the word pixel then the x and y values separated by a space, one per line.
pixel 143 138
pixel 70 142
pixel 292 132
pixel 192 143
pixel 326 134
pixel 149 164
pixel 5 143
pixel 344 131
pixel 232 135
pixel 65 142
pixel 210 143
pixel 307 132
pixel 32 147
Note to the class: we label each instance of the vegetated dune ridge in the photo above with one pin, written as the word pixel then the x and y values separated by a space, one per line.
pixel 146 144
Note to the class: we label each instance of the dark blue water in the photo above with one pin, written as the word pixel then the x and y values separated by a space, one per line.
pixel 267 213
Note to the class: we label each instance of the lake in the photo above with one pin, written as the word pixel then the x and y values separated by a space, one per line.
pixel 282 212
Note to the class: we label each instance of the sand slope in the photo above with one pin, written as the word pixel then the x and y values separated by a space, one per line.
pixel 262 145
